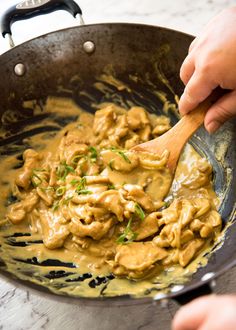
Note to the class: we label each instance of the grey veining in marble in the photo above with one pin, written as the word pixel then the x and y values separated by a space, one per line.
pixel 21 309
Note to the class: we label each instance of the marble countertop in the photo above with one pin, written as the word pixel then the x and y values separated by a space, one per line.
pixel 21 309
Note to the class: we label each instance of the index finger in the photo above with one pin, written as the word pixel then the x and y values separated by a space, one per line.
pixel 198 88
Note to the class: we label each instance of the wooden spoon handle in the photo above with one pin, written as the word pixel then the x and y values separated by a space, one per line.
pixel 189 123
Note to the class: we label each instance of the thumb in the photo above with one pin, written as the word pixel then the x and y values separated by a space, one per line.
pixel 220 112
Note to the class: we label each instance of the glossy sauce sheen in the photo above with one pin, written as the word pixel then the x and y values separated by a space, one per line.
pixel 104 226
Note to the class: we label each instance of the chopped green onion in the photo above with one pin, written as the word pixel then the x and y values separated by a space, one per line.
pixel 67 199
pixel 60 191
pixel 121 153
pixel 46 188
pixel 36 180
pixel 84 192
pixel 139 211
pixel 94 154
pixel 81 185
pixel 63 170
pixel 55 206
pixel 110 165
pixel 74 182
pixel 39 170
pixel 167 204
pixel 111 186
pixel 128 235
pixel 76 159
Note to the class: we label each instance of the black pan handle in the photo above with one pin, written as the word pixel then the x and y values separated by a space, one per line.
pixel 31 8
pixel 185 298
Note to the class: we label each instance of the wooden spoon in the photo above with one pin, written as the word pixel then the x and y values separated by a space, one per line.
pixel 175 139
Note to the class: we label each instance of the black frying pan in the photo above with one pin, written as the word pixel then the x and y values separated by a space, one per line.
pixel 36 68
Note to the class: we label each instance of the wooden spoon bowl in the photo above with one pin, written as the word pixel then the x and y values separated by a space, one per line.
pixel 175 139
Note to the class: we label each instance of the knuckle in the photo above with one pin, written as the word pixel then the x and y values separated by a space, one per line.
pixel 222 112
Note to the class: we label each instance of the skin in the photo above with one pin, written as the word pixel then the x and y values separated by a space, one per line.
pixel 211 62
pixel 207 313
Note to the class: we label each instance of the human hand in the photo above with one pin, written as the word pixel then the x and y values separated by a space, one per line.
pixel 211 62
pixel 207 313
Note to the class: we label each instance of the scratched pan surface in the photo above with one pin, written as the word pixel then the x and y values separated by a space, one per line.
pixel 56 64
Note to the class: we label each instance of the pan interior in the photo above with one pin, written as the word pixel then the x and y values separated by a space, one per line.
pixel 157 91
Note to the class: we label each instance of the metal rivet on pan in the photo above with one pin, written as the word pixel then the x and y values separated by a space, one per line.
pixel 160 296
pixel 207 276
pixel 177 288
pixel 89 47
pixel 19 69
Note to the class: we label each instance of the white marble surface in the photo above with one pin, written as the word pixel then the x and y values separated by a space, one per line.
pixel 21 309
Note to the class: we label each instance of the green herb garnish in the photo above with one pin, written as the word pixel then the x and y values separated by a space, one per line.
pixel 121 153
pixel 81 185
pixel 60 191
pixel 111 186
pixel 76 159
pixel 74 182
pixel 94 154
pixel 67 199
pixel 139 211
pixel 84 192
pixel 167 204
pixel 110 165
pixel 46 188
pixel 128 235
pixel 63 170
pixel 35 179
pixel 55 206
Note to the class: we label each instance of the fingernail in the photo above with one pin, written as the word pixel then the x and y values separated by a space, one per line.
pixel 181 106
pixel 213 126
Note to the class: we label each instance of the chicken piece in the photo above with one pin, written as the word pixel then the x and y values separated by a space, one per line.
pixel 31 160
pixel 138 257
pixel 46 195
pixel 199 175
pixel 186 236
pixel 162 125
pixel 187 254
pixel 119 160
pixel 137 118
pixel 111 201
pixel 80 135
pixel 137 194
pixel 93 179
pixel 73 153
pixel 104 120
pixel 145 133
pixel 214 219
pixel 149 160
pixel 54 232
pixel 18 211
pixel 147 227
pixel 95 229
pixel 187 213
pixel 132 141
pixel 202 205
pixel 119 130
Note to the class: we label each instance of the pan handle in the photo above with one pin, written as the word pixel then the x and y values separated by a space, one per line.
pixel 31 8
pixel 185 298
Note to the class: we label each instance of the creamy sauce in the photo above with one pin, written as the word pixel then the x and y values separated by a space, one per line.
pixel 46 252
